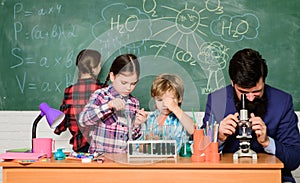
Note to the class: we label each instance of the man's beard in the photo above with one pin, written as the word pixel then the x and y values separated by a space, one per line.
pixel 258 106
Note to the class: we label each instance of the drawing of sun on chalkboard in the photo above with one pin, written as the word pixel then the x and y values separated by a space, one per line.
pixel 179 29
pixel 186 30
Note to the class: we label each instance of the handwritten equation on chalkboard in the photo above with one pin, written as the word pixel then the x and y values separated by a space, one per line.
pixel 191 39
pixel 22 33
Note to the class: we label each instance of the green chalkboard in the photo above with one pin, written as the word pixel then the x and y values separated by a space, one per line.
pixel 194 39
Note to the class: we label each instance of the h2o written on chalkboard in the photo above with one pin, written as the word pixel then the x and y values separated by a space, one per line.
pixel 194 39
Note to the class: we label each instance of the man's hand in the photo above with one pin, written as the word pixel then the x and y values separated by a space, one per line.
pixel 260 129
pixel 228 126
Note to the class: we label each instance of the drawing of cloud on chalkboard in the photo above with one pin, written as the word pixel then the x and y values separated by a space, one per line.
pixel 236 28
pixel 120 25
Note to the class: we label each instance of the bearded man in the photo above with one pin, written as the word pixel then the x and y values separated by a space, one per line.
pixel 271 112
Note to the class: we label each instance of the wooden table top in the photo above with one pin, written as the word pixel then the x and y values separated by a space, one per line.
pixel 121 161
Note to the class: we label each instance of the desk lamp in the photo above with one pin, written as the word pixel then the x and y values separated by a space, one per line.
pixel 54 117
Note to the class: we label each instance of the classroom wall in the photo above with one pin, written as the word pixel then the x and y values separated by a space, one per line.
pixel 15 132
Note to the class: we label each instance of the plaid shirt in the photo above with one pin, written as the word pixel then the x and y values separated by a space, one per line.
pixel 75 98
pixel 111 128
pixel 172 129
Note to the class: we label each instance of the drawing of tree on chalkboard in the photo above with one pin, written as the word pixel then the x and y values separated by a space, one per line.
pixel 212 58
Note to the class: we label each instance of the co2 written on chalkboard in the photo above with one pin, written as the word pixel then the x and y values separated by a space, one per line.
pixel 194 39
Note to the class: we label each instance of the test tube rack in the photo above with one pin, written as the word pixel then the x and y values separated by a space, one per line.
pixel 152 148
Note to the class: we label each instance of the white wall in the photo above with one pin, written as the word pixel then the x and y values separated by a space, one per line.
pixel 15 132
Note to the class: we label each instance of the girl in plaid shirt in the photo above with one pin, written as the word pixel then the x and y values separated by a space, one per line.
pixel 76 96
pixel 109 108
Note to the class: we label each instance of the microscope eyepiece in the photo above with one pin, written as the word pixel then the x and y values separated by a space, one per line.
pixel 243 111
pixel 243 99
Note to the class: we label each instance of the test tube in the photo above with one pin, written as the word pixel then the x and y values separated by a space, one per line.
pixel 130 149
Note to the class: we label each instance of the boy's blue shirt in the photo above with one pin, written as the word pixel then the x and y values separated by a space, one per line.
pixel 171 130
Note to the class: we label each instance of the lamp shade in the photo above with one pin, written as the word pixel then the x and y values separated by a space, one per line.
pixel 54 117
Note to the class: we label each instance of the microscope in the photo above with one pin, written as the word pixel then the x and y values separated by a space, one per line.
pixel 244 128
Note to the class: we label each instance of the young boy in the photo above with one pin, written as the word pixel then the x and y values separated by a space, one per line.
pixel 167 91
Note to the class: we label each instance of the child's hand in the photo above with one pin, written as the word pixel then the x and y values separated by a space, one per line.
pixel 171 103
pixel 141 117
pixel 117 104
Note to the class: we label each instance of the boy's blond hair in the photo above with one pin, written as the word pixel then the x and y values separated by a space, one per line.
pixel 167 82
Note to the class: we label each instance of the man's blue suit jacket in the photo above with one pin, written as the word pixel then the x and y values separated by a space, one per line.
pixel 280 119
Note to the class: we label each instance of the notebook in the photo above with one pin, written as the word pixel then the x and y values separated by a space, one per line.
pixel 21 156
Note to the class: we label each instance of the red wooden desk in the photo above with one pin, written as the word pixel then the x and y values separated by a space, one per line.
pixel 266 169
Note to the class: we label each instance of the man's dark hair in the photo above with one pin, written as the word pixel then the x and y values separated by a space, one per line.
pixel 246 68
